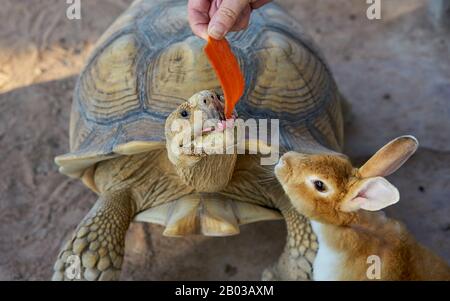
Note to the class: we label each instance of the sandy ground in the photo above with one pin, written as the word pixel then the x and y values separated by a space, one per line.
pixel 395 73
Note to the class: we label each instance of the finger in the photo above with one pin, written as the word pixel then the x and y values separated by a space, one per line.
pixel 243 20
pixel 215 4
pixel 225 17
pixel 198 17
pixel 255 4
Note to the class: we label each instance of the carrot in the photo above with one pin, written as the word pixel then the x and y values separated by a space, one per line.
pixel 227 70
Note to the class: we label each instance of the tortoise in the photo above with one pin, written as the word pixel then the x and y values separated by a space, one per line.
pixel 147 66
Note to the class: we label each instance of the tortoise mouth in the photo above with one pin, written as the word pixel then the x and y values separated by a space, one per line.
pixel 220 127
pixel 209 133
pixel 218 107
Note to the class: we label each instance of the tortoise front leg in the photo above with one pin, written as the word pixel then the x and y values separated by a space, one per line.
pixel 96 249
pixel 296 261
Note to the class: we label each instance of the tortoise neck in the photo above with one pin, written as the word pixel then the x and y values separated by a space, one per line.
pixel 211 174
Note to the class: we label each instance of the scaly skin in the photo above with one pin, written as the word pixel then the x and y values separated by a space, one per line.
pixel 98 241
pixel 152 179
pixel 261 187
pixel 296 261
pixel 275 44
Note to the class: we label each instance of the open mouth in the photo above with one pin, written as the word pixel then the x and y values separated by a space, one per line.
pixel 214 134
pixel 221 126
pixel 222 123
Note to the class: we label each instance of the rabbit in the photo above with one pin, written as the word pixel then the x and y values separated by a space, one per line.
pixel 343 203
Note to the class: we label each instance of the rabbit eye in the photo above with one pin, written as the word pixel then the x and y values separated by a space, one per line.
pixel 184 113
pixel 320 186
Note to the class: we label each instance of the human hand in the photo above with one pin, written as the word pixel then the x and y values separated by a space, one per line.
pixel 217 17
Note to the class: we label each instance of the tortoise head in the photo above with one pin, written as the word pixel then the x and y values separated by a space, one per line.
pixel 200 141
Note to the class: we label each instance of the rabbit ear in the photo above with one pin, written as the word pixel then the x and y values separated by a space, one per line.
pixel 371 194
pixel 390 157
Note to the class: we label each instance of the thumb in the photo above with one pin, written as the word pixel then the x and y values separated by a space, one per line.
pixel 225 17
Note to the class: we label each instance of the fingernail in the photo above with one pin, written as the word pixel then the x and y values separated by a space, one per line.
pixel 217 31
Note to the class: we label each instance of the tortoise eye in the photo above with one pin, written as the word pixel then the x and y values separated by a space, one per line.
pixel 184 113
pixel 320 186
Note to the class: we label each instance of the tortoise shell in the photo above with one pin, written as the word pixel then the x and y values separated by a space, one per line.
pixel 149 62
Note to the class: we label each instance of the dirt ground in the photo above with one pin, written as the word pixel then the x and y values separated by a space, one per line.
pixel 395 72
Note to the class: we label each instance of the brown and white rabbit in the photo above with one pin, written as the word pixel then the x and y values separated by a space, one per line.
pixel 337 198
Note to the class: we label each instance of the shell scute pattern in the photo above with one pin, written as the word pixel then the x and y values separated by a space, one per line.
pixel 146 68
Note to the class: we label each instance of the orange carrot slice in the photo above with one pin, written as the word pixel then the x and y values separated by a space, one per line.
pixel 227 70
